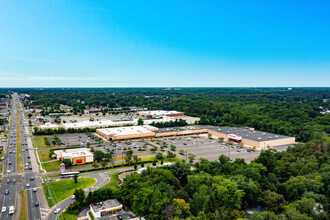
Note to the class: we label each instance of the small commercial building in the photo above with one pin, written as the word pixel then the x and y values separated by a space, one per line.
pixel 160 113
pixel 106 208
pixel 92 111
pixel 76 155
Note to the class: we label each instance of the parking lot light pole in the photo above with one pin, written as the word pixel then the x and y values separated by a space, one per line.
pixel 229 151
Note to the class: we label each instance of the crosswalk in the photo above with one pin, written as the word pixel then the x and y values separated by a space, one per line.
pixel 44 212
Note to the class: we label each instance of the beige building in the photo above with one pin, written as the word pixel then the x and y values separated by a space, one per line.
pixel 146 132
pixel 250 137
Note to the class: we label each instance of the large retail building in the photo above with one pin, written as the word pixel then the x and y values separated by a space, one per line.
pixel 247 136
pixel 250 137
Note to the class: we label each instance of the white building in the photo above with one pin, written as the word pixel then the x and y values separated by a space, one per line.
pixel 76 155
pixel 106 208
pixel 161 113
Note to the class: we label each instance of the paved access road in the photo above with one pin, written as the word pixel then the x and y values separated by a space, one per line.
pixel 23 180
pixel 101 179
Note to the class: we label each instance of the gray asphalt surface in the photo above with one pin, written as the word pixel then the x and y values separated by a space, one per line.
pixel 22 179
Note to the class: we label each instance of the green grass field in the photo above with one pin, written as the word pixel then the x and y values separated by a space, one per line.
pixel 39 142
pixel 113 181
pixel 44 157
pixel 67 216
pixel 54 191
pixel 51 166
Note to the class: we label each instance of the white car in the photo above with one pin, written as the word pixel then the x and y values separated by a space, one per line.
pixel 4 209
pixel 57 210
pixel 34 189
pixel 27 185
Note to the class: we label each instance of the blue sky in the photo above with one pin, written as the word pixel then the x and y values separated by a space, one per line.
pixel 80 43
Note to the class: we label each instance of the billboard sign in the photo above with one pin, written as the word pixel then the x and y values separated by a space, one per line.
pixel 234 137
pixel 62 167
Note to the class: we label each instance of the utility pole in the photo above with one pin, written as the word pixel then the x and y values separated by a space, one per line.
pixel 229 151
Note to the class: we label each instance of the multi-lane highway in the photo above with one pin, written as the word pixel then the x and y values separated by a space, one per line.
pixel 13 181
pixel 28 178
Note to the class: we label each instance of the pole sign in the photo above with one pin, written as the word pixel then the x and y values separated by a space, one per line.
pixel 62 167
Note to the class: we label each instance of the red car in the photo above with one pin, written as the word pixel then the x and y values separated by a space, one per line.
pixel 8 181
pixel 30 168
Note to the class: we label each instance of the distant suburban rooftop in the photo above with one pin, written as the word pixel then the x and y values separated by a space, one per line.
pixel 102 123
pixel 130 130
pixel 177 129
pixel 248 133
pixel 158 112
pixel 107 204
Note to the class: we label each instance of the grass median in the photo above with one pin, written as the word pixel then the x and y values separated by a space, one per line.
pixel 23 212
pixel 19 153
pixel 56 191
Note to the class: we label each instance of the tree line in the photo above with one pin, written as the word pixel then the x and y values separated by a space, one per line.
pixel 277 110
pixel 293 184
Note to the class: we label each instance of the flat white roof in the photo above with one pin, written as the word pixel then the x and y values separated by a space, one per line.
pixel 49 125
pixel 102 123
pixel 158 112
pixel 130 130
pixel 75 152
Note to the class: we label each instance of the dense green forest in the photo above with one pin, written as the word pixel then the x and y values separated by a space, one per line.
pixel 293 184
pixel 287 185
pixel 293 112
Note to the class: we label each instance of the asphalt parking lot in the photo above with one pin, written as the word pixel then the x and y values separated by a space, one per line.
pixel 120 148
pixel 81 139
pixel 211 149
pixel 75 139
